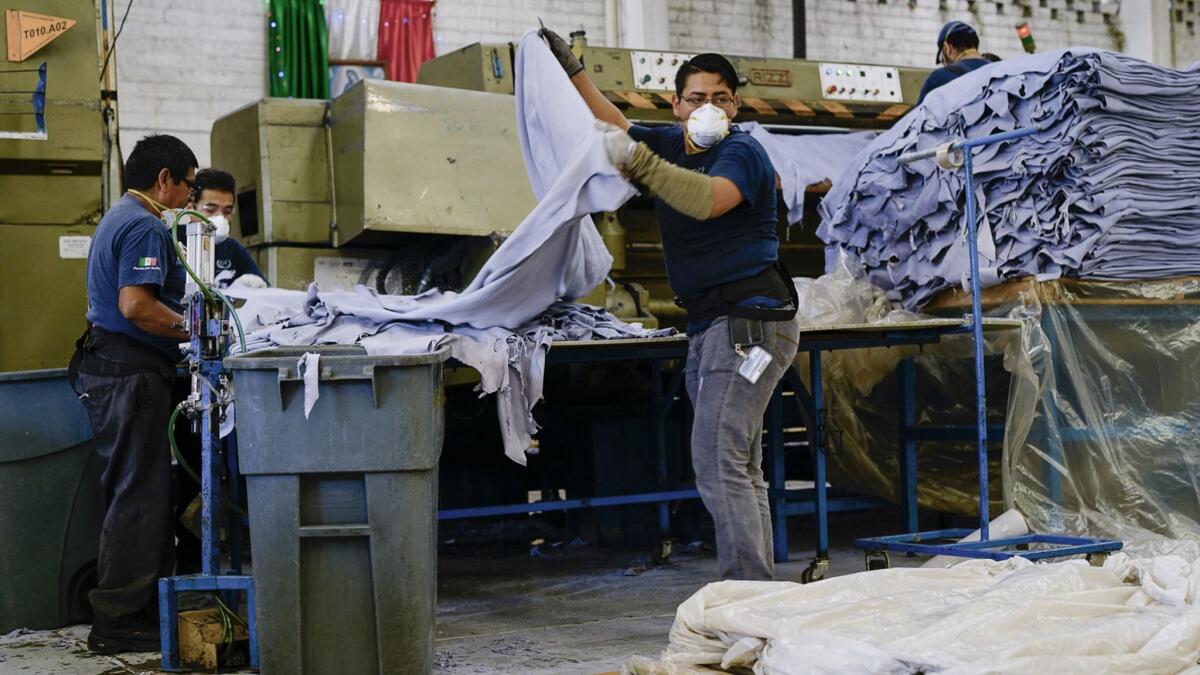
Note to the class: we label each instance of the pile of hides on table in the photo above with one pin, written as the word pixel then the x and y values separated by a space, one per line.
pixel 1109 188
pixel 1139 616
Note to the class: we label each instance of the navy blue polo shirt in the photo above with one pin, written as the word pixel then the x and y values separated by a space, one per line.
pixel 947 74
pixel 132 247
pixel 704 254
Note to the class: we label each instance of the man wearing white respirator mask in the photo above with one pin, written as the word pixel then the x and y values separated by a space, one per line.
pixel 214 197
pixel 715 201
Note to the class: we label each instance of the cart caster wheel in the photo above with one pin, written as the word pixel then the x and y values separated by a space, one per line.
pixel 815 571
pixel 1097 559
pixel 877 560
pixel 662 554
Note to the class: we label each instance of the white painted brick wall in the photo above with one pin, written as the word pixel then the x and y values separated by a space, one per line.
pixel 746 27
pixel 904 32
pixel 900 32
pixel 1185 27
pixel 182 64
pixel 743 27
pixel 458 23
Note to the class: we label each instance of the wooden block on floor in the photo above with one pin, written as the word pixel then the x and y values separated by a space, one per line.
pixel 200 638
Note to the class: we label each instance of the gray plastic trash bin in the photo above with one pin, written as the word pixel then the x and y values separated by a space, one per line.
pixel 49 502
pixel 343 508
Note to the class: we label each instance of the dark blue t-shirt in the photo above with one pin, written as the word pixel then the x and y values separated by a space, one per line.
pixel 132 248
pixel 704 254
pixel 947 74
pixel 233 260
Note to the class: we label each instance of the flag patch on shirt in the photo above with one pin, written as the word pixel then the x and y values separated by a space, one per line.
pixel 146 265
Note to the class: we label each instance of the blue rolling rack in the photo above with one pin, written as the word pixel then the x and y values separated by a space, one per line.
pixel 945 542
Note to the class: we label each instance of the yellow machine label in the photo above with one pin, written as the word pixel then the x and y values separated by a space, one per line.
pixel 28 32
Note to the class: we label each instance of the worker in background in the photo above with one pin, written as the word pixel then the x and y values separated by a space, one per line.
pixel 124 365
pixel 958 52
pixel 214 197
pixel 715 202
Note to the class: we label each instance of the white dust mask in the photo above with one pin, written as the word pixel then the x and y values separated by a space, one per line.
pixel 707 126
pixel 222 225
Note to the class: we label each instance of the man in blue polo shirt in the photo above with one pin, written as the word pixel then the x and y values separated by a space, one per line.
pixel 125 366
pixel 958 52
pixel 716 205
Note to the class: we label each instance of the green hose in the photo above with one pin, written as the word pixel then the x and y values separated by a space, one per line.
pixel 183 463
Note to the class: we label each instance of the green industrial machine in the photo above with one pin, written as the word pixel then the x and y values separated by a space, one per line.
pixel 414 159
pixel 51 181
pixel 425 180
pixel 788 92
pixel 276 149
pixel 54 144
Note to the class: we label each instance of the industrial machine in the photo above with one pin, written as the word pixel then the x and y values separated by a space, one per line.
pixel 53 150
pixel 410 186
pixel 54 140
pixel 208 313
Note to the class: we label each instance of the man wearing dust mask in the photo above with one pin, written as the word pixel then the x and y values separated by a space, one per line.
pixel 214 197
pixel 715 201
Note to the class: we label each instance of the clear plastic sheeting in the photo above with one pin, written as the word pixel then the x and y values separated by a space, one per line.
pixel 1099 394
pixel 1130 616
pixel 862 395
pixel 1103 426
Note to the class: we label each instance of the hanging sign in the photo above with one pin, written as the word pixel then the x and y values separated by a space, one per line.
pixel 29 32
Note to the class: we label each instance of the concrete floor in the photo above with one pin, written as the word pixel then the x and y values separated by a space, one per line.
pixel 569 610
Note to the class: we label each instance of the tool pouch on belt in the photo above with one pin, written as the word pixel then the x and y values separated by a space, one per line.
pixel 107 354
pixel 774 282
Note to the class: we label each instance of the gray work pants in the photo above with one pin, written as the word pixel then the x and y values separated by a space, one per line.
pixel 727 443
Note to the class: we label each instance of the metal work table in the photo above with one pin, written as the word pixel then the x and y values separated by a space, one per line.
pixel 809 401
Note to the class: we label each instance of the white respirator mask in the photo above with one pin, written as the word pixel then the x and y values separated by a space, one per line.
pixel 707 126
pixel 222 225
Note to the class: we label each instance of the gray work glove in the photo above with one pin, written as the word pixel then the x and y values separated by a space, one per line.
pixel 562 51
pixel 617 143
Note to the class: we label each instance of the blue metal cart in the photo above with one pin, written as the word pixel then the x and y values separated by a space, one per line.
pixel 946 542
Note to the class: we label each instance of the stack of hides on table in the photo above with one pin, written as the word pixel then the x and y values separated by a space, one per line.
pixel 1109 188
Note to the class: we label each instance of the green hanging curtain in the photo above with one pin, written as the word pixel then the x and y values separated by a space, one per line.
pixel 298 46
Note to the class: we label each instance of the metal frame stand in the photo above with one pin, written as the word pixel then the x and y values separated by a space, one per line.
pixel 951 156
pixel 209 373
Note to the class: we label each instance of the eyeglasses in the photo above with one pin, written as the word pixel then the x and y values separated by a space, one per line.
pixel 190 184
pixel 720 100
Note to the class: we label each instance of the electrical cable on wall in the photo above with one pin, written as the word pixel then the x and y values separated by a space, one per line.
pixel 113 48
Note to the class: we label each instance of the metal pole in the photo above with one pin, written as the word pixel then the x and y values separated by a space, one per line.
pixel 977 336
pixel 210 479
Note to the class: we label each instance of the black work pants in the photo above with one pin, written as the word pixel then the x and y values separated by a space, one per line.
pixel 137 545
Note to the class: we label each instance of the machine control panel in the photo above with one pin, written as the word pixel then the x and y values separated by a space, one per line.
pixel 655 71
pixel 852 82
